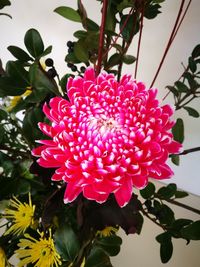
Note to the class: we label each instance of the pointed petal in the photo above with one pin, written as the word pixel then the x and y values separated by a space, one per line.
pixel 123 195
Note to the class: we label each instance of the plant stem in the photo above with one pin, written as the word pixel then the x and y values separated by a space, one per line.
pixel 171 39
pixel 120 64
pixel 190 150
pixel 139 40
pixel 174 202
pixel 121 30
pixel 152 219
pixel 101 37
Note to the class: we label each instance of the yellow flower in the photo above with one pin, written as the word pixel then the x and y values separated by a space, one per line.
pixel 16 99
pixel 2 258
pixel 40 252
pixel 107 231
pixel 21 215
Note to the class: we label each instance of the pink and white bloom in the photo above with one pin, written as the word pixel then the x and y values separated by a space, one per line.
pixel 110 137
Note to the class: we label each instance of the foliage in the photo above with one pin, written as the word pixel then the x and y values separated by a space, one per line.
pixel 25 85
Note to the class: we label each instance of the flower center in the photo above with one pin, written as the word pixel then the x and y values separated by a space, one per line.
pixel 105 125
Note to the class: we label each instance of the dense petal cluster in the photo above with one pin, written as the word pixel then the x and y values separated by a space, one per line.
pixel 109 137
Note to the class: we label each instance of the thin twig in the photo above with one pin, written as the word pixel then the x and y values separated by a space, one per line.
pixel 152 219
pixel 171 39
pixel 190 150
pixel 139 40
pixel 101 37
pixel 174 202
pixel 121 30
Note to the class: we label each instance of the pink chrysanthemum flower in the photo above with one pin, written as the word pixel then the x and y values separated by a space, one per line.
pixel 111 136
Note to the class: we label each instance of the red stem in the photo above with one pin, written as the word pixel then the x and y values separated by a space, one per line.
pixel 139 41
pixel 185 12
pixel 121 30
pixel 101 37
pixel 171 39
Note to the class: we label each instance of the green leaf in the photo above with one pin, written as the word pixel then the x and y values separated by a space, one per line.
pixel 177 225
pixel 148 191
pixel 110 244
pixel 63 82
pixel 173 90
pixel 3 115
pixel 167 192
pixel 181 87
pixel 175 159
pixel 8 87
pixel 4 3
pixel 66 243
pixel 192 231
pixel 80 34
pixel 192 112
pixel 68 13
pixel 166 246
pixel 181 194
pixel 80 51
pixel 34 43
pixel 17 73
pixel 178 131
pixel 128 59
pixel 166 251
pixel 46 51
pixel 40 80
pixel 196 51
pixel 166 215
pixel 192 64
pixel 98 258
pixel 91 25
pixel 114 60
pixel 151 10
pixel 19 53
pixel 127 31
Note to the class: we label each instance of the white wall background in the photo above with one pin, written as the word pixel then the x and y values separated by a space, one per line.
pixel 56 31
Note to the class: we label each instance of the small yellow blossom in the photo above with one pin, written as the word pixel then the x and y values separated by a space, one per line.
pixel 21 216
pixel 107 231
pixel 41 253
pixel 2 258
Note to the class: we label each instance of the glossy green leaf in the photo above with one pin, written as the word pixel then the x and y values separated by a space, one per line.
pixel 192 231
pixel 91 25
pixel 166 215
pixel 8 87
pixel 192 64
pixel 19 53
pixel 128 59
pixel 181 87
pixel 98 258
pixel 66 243
pixel 46 51
pixel 34 43
pixel 148 191
pixel 192 112
pixel 175 159
pixel 178 131
pixel 173 90
pixel 80 51
pixel 68 13
pixel 40 81
pixel 181 194
pixel 16 71
pixel 110 244
pixel 196 51
pixel 151 10
pixel 166 251
pixel 4 3
pixel 168 191
pixel 3 115
pixel 114 60
pixel 80 34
